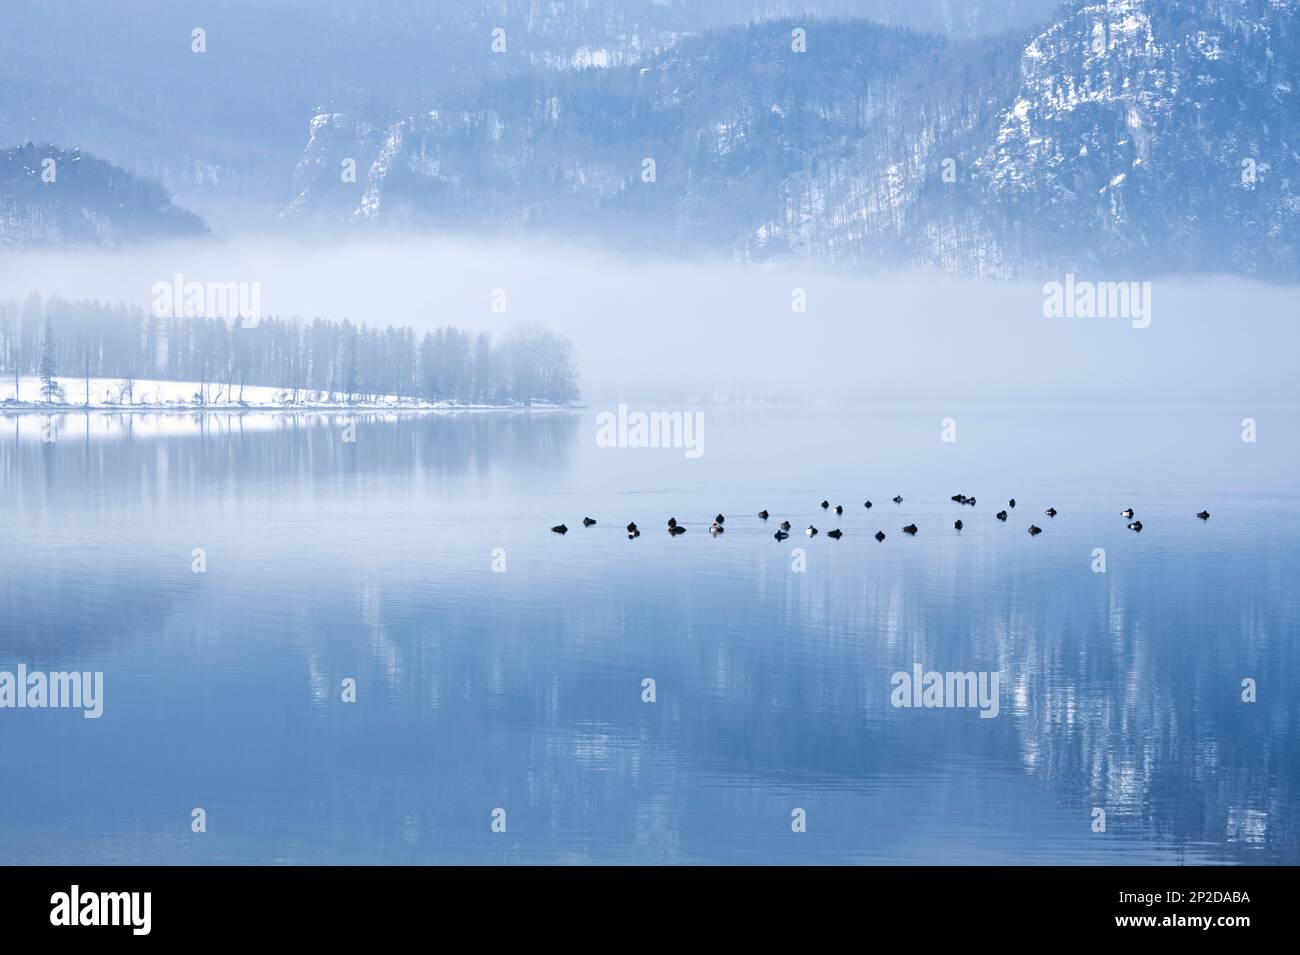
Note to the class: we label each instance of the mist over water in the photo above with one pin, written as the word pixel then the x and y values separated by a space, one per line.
pixel 669 330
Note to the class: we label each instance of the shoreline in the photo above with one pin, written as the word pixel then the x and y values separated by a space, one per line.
pixel 156 395
pixel 15 410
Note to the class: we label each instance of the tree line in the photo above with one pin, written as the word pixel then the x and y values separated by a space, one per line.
pixel 317 359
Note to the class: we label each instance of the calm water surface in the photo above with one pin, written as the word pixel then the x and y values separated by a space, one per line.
pixel 373 560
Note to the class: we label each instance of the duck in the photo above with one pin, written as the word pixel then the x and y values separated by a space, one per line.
pixel 719 519
pixel 1204 515
pixel 1002 515
pixel 631 528
pixel 559 529
pixel 880 535
pixel 672 522
pixel 959 498
pixel 810 531
pixel 898 499
pixel 1034 530
pixel 633 534
pixel 785 525
pixel 970 501
pixel 763 515
pixel 676 529
pixel 1050 512
pixel 1011 503
pixel 959 525
pixel 1135 526
pixel 780 535
pixel 588 521
pixel 839 509
pixel 867 505
pixel 910 529
pixel 715 528
pixel 825 505
pixel 1128 512
pixel 835 534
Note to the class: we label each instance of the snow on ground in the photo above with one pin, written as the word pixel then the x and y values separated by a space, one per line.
pixel 171 408
pixel 119 395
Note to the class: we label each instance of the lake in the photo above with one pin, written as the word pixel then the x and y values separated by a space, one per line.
pixel 499 666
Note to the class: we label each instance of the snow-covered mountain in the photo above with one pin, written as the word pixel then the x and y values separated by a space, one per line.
pixel 224 126
pixel 736 124
pixel 50 195
pixel 1169 132
pixel 1142 134
pixel 1135 133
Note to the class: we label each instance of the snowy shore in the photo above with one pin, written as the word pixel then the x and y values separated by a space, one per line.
pixel 121 395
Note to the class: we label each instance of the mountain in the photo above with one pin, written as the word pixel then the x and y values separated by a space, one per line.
pixel 1127 134
pixel 977 137
pixel 734 122
pixel 1169 132
pixel 223 128
pixel 50 195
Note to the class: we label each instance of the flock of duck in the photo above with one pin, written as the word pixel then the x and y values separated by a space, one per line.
pixel 783 529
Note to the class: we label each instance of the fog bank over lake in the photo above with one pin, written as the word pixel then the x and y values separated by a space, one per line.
pixel 662 330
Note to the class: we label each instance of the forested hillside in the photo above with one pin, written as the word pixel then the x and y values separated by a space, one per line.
pixel 50 196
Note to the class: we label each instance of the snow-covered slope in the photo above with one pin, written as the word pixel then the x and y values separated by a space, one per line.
pixel 1142 134
pixel 1166 131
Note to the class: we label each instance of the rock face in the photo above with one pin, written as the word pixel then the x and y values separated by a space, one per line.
pixel 1169 134
pixel 1132 135
pixel 50 195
